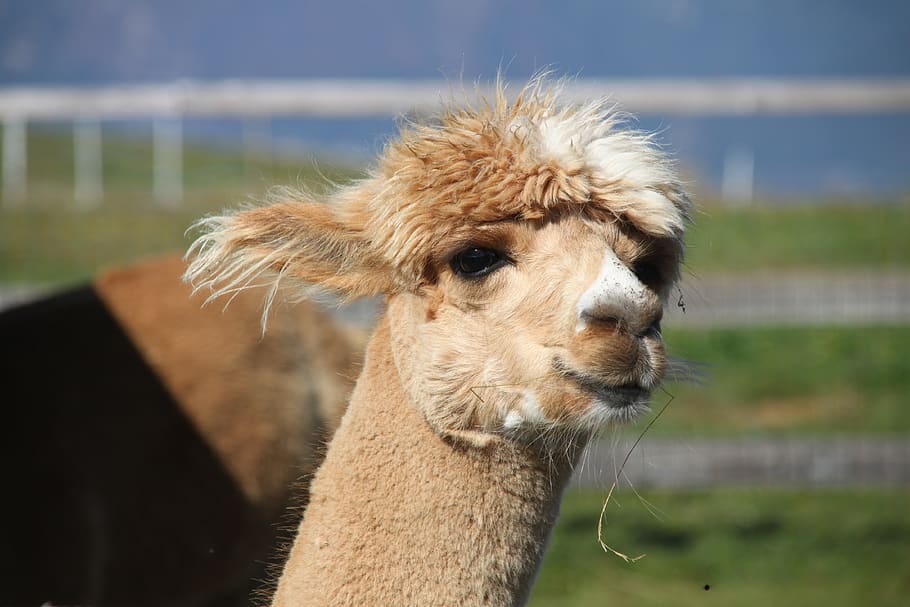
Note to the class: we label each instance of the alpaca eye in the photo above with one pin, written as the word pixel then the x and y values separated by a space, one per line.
pixel 475 262
pixel 648 273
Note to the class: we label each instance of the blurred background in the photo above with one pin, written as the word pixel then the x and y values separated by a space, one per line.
pixel 782 474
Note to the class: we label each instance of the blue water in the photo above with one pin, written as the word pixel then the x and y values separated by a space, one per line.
pixel 795 156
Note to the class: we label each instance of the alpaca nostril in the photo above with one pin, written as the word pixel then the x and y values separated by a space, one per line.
pixel 610 321
pixel 654 329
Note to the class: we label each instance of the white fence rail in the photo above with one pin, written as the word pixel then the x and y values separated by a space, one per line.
pixel 167 104
pixel 363 98
pixel 803 462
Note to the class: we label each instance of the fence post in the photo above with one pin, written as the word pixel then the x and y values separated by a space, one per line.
pixel 737 183
pixel 167 135
pixel 15 160
pixel 89 178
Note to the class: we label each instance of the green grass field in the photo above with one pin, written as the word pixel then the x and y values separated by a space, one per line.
pixel 749 547
pixel 128 167
pixel 47 239
pixel 792 380
pixel 808 236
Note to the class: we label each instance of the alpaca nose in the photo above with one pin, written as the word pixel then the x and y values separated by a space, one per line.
pixel 617 299
pixel 641 321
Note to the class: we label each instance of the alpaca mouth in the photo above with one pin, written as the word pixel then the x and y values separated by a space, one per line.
pixel 614 396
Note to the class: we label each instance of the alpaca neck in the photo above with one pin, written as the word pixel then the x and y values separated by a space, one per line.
pixel 399 515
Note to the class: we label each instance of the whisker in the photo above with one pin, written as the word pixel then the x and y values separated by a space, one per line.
pixel 600 519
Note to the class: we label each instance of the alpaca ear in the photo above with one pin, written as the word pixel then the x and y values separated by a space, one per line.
pixel 303 241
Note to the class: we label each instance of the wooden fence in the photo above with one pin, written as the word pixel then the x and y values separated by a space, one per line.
pixel 855 461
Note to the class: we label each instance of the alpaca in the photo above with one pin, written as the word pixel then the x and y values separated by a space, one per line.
pixel 526 249
pixel 151 445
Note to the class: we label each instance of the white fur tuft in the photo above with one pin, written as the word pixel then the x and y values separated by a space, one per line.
pixel 624 161
pixel 219 265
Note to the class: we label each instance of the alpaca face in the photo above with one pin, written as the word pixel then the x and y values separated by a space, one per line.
pixel 525 247
pixel 536 326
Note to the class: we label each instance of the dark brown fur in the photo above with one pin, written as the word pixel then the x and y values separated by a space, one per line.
pixel 150 444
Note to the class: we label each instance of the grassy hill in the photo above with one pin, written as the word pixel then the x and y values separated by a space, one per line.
pixel 800 236
pixel 731 547
pixel 47 239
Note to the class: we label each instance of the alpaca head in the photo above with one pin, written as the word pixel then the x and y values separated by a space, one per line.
pixel 526 248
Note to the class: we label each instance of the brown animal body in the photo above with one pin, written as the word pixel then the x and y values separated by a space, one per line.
pixel 526 249
pixel 150 446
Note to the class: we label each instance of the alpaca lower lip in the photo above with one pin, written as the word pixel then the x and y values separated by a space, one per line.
pixel 630 391
pixel 615 395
